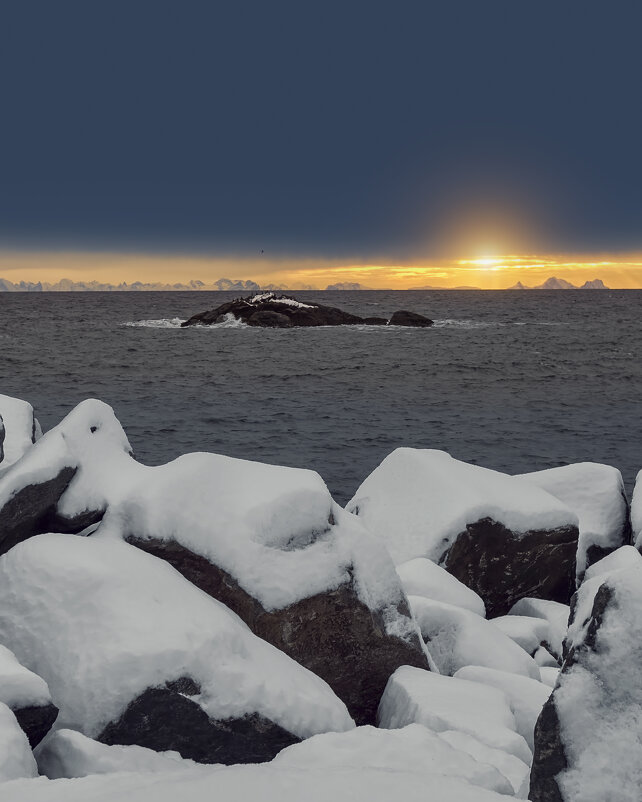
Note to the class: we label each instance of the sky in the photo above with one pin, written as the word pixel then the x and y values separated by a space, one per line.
pixel 394 144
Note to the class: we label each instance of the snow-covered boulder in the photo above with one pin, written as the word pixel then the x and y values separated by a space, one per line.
pixel 135 654
pixel 529 633
pixel 636 512
pixel 32 489
pixel 549 675
pixel 501 536
pixel 423 577
pixel 441 703
pixel 19 430
pixel 271 544
pixel 456 638
pixel 596 493
pixel 16 758
pixel 68 753
pixel 556 616
pixel 588 738
pixel 27 696
pixel 526 696
pixel 412 748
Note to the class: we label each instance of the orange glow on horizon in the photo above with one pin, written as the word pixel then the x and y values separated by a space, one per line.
pixel 484 272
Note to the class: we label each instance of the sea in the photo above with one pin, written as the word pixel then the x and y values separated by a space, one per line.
pixel 516 381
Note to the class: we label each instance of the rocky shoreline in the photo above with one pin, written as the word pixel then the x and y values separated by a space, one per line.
pixel 277 311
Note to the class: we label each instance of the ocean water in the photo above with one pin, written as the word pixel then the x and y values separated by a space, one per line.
pixel 516 381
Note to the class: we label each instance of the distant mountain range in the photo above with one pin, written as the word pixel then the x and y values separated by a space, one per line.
pixel 554 283
pixel 241 285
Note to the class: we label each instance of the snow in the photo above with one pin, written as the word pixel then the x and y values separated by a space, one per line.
pixel 527 632
pixel 16 758
pixel 525 696
pixel 20 428
pixel 441 703
pixel 549 675
pixel 20 687
pixel 555 613
pixel 599 698
pixel 124 621
pixel 456 638
pixel 264 783
pixel 67 753
pixel 545 659
pixel 278 299
pixel 596 493
pixel 636 512
pixel 624 557
pixel 516 771
pixel 423 577
pixel 418 500
pixel 412 748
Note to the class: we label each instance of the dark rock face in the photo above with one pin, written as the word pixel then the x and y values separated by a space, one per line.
pixel 36 721
pixel 165 718
pixel 32 510
pixel 270 320
pixel 282 311
pixel 503 568
pixel 2 436
pixel 404 318
pixel 550 757
pixel 333 635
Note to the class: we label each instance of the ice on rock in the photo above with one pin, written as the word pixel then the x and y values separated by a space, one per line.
pixel 456 638
pixel 596 493
pixel 87 451
pixel 554 613
pixel 588 738
pixel 529 633
pixel 424 503
pixel 441 703
pixel 423 577
pixel 68 753
pixel 267 783
pixel 106 625
pixel 412 748
pixel 16 758
pixel 526 696
pixel 19 430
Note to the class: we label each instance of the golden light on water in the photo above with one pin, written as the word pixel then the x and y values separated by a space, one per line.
pixel 484 269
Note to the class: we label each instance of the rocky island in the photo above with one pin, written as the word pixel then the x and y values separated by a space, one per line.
pixel 271 310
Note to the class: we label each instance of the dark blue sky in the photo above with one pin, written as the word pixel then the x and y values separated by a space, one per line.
pixel 328 129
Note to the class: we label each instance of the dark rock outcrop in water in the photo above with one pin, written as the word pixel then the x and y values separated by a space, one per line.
pixel 332 634
pixel 270 310
pixel 167 719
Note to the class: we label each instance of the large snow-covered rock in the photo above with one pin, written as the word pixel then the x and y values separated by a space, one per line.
pixel 456 637
pixel 636 512
pixel 588 738
pixel 135 654
pixel 270 543
pixel 528 632
pixel 596 493
pixel 27 696
pixel 526 696
pixel 19 430
pixel 32 489
pixel 423 577
pixel 555 614
pixel 412 748
pixel 16 758
pixel 501 536
pixel 441 703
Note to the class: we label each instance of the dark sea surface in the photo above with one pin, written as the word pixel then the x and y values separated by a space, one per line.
pixel 516 381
